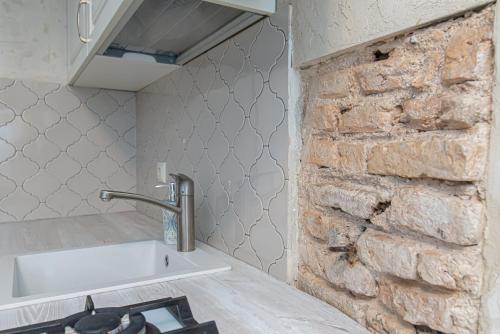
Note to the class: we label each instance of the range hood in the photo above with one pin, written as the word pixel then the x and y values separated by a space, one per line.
pixel 176 31
pixel 154 33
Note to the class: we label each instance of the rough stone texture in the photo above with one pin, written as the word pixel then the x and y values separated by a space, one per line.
pixel 457 159
pixel 435 214
pixel 442 311
pixel 375 247
pixel 353 199
pixel 344 301
pixel 348 157
pixel 379 78
pixel 461 56
pixel 323 117
pixel 322 151
pixel 316 225
pixel 386 323
pixel 333 85
pixel 354 277
pixel 317 255
pixel 452 270
pixel 452 111
pixel 366 118
pixel 397 188
pixel 344 234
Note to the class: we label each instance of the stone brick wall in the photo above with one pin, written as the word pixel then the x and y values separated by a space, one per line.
pixel 392 206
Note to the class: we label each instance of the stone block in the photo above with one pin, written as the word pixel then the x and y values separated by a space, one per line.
pixel 351 198
pixel 316 225
pixel 456 270
pixel 389 254
pixel 443 311
pixel 333 85
pixel 343 232
pixel 342 300
pixel 438 215
pixel 382 322
pixel 323 117
pixel 379 77
pixel 452 111
pixel 457 159
pixel 354 277
pixel 368 117
pixel 321 151
pixel 461 56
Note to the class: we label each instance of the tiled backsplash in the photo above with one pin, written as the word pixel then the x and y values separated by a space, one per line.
pixel 59 145
pixel 222 119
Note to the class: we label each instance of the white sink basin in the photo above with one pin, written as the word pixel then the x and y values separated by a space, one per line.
pixel 56 275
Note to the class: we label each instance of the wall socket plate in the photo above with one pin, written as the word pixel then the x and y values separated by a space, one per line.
pixel 161 172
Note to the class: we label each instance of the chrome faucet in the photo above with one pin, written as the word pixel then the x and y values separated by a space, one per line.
pixel 184 208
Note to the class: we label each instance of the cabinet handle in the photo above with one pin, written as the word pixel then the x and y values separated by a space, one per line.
pixel 80 5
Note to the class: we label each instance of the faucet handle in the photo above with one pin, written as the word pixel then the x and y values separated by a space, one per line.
pixel 172 190
pixel 184 183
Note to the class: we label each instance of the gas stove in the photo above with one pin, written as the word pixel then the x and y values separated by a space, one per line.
pixel 169 315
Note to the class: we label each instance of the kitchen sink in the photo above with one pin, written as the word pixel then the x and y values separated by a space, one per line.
pixel 31 278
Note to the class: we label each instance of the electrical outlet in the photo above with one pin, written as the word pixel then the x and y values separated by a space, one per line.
pixel 161 172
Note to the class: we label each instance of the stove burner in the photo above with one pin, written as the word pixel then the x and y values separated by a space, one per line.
pixel 99 323
pixel 129 319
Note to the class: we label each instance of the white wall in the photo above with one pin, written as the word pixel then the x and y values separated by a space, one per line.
pixel 490 320
pixel 325 27
pixel 33 40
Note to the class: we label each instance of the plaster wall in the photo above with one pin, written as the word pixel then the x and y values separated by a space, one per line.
pixel 491 300
pixel 323 28
pixel 33 40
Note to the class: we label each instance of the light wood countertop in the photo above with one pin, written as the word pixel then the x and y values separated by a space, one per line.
pixel 243 300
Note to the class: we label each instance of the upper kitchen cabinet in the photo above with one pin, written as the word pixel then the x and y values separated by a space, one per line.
pixel 128 44
pixel 89 23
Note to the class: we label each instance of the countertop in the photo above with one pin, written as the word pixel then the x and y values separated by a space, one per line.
pixel 243 300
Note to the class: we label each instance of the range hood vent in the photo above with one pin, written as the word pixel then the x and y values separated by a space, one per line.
pixel 177 31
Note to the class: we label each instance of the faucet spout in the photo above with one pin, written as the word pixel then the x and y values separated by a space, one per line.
pixel 108 195
pixel 184 208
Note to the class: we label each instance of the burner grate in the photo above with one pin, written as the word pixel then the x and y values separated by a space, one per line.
pixel 132 319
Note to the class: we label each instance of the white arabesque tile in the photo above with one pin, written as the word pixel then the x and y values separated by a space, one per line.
pixel 19 203
pixel 54 146
pixel 63 134
pixel 84 183
pixel 63 201
pixel 18 168
pixel 41 184
pixel 83 151
pixel 18 97
pixel 62 101
pixel 63 167
pixel 222 117
pixel 83 119
pixel 18 133
pixel 267 178
pixel 248 146
pixel 41 116
pixel 6 114
pixel 262 120
pixel 102 167
pixel 102 104
pixel 267 241
pixel 6 150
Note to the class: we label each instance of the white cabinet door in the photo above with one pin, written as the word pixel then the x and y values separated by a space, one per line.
pixel 78 30
pixel 101 16
pixel 264 7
